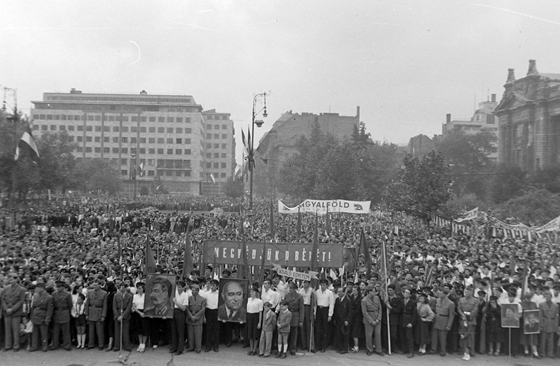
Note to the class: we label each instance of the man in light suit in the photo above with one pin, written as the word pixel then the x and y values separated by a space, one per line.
pixel 122 304
pixel 269 323
pixel 445 312
pixel 195 319
pixel 96 311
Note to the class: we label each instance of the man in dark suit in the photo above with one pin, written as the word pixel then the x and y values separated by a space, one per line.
pixel 394 304
pixel 232 310
pixel 408 321
pixel 342 316
pixel 96 312
pixel 61 319
pixel 122 305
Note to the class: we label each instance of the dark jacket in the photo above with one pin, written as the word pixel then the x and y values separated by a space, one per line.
pixel 409 313
pixel 42 309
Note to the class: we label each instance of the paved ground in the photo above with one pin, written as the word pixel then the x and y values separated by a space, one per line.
pixel 237 356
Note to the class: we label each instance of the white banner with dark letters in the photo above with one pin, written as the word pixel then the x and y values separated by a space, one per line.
pixel 321 207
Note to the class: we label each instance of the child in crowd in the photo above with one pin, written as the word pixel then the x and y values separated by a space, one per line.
pixel 269 323
pixel 284 319
pixel 78 312
pixel 25 329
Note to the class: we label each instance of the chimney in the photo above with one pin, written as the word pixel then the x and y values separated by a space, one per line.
pixel 493 98
pixel 532 68
pixel 510 77
pixel 448 118
pixel 358 112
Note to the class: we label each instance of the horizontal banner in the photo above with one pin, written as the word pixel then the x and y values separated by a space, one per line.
pixel 321 207
pixel 284 254
pixel 295 275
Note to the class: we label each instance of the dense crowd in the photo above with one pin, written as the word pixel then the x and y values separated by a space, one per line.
pixel 73 275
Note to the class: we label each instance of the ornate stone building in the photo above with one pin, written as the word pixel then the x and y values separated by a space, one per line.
pixel 529 120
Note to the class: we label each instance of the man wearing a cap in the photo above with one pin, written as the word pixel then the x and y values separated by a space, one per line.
pixel 41 315
pixel 96 311
pixel 61 319
pixel 445 313
pixel 295 305
pixel 12 299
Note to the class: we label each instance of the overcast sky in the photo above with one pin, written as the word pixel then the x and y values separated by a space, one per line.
pixel 405 63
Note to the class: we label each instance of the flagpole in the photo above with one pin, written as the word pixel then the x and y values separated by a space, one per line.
pixel 386 289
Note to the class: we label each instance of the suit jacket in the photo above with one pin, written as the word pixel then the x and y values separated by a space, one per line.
pixel 371 310
pixel 96 305
pixel 42 309
pixel 284 319
pixel 196 308
pixel 123 302
pixel 62 306
pixel 269 322
pixel 12 298
pixel 395 311
pixel 549 317
pixel 343 310
pixel 409 313
pixel 240 316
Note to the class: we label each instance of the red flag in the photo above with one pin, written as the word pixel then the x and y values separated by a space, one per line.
pixel 328 223
pixel 150 261
pixel 272 232
pixel 365 250
pixel 314 263
pixel 188 265
pixel 298 225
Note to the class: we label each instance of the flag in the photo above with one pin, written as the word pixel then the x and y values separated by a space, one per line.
pixel 525 280
pixel 328 223
pixel 27 141
pixel 382 260
pixel 150 261
pixel 212 178
pixel 365 250
pixel 119 250
pixel 315 245
pixel 188 265
pixel 140 169
pixel 272 232
pixel 236 172
pixel 263 257
pixel 298 225
pixel 246 149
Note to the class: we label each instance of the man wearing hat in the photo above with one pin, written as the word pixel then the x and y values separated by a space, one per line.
pixel 61 319
pixel 12 299
pixel 41 315
pixel 122 305
pixel 295 305
pixel 445 313
pixel 96 311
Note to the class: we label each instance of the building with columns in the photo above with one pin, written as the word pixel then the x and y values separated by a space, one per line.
pixel 529 120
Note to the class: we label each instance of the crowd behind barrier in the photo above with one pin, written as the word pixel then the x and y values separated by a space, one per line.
pixel 64 285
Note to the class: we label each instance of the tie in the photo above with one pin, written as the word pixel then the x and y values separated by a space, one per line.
pixel 230 315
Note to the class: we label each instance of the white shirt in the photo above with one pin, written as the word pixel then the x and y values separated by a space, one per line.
pixel 254 306
pixel 270 296
pixel 306 295
pixel 538 299
pixel 138 301
pixel 181 299
pixel 211 300
pixel 324 299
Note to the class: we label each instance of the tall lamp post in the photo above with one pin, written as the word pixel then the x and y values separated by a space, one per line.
pixel 251 156
pixel 133 173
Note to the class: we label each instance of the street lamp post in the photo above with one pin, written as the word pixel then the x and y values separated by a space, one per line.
pixel 251 156
pixel 133 173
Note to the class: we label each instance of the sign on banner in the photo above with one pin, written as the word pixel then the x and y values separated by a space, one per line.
pixel 293 274
pixel 284 254
pixel 321 207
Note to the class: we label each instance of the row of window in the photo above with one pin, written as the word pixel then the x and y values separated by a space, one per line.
pixel 91 117
pixel 216 165
pixel 216 127
pixel 134 140
pixel 117 129
pixel 216 136
pixel 167 173
pixel 141 151
pixel 216 117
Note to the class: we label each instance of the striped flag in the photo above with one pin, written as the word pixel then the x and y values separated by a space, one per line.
pixel 27 141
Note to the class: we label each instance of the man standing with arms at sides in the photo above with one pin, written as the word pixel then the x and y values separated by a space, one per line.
pixel 62 307
pixel 408 320
pixel 549 324
pixel 41 315
pixel 180 302
pixel 324 310
pixel 445 312
pixel 122 304
pixel 295 305
pixel 468 311
pixel 394 305
pixel 12 299
pixel 306 293
pixel 269 295
pixel 195 319
pixel 96 311
pixel 342 316
pixel 211 318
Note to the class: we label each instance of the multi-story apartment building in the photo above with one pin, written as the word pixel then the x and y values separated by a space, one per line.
pixel 164 132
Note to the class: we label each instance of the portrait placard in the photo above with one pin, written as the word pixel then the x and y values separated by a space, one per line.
pixel 232 302
pixel 532 321
pixel 510 315
pixel 160 290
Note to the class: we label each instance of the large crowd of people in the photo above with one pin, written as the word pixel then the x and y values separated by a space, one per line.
pixel 73 276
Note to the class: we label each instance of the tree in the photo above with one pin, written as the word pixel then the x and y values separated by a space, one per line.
pixel 97 174
pixel 467 156
pixel 57 165
pixel 547 178
pixel 508 182
pixel 423 188
pixel 233 187
pixel 535 207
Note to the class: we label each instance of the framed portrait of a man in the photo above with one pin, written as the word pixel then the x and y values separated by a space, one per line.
pixel 232 302
pixel 532 321
pixel 510 315
pixel 158 302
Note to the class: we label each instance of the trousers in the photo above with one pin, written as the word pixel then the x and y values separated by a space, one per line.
pixel 373 334
pixel 65 329
pixel 195 336
pixel 439 337
pixel 11 326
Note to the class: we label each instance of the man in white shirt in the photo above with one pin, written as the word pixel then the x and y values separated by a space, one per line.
pixel 180 303
pixel 212 327
pixel 306 293
pixel 269 295
pixel 324 309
